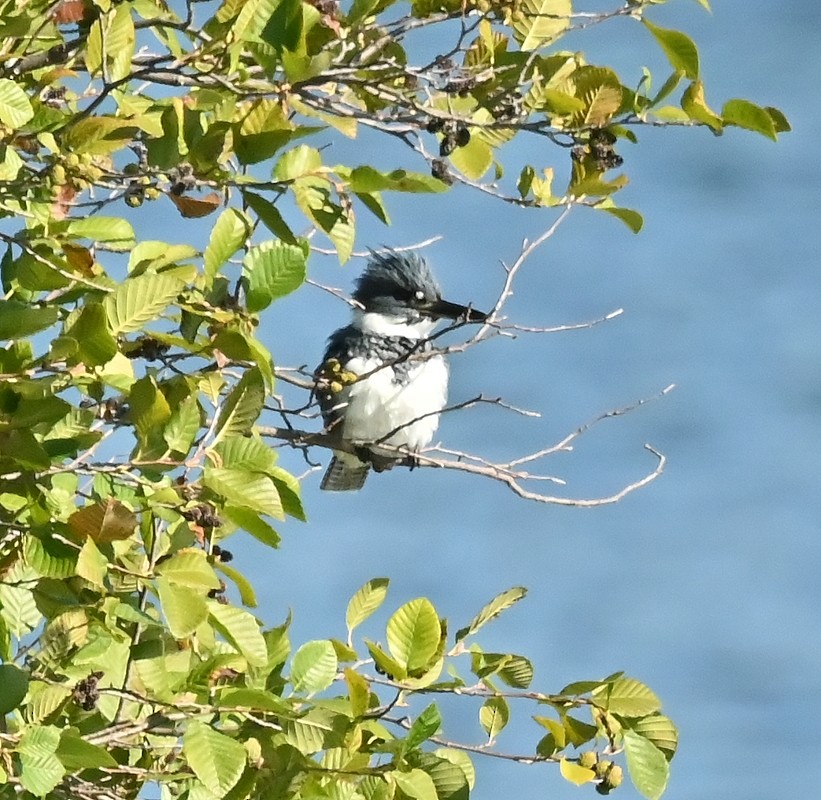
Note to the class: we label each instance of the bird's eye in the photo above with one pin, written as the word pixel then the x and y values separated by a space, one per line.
pixel 419 295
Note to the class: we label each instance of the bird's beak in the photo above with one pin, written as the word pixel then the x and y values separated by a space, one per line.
pixel 440 309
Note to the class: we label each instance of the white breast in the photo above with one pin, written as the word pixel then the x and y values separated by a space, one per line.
pixel 376 406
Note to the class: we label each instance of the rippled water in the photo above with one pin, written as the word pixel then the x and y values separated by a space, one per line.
pixel 704 584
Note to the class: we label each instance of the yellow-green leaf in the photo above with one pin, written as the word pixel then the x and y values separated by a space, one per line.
pixel 364 602
pixel 413 634
pixel 216 759
pixel 541 22
pixel 679 48
pixel 15 107
pixel 574 773
pixel 646 764
pixel 744 114
pixel 314 667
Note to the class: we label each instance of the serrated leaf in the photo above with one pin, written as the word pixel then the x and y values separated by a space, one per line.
pixel 365 601
pixel 15 107
pixel 184 608
pixel 41 769
pixel 646 764
pixel 216 759
pixel 106 521
pixel 600 90
pixel 152 256
pixel 14 684
pixel 744 114
pixel 50 558
pixel 449 778
pixel 92 565
pixel 780 121
pixel 660 730
pixel 413 634
pixel 541 22
pixel 229 233
pixel 239 487
pixel 273 269
pixel 242 630
pixel 574 773
pixel 461 759
pixel 242 407
pixel 314 667
pixel 75 753
pixel 679 48
pixel 494 716
pixel 299 161
pixel 517 671
pixel 492 610
pixel 140 299
pixel 627 697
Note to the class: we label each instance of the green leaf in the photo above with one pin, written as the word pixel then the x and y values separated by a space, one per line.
pixel 314 667
pixel 424 726
pixel 359 692
pixel 574 773
pixel 14 684
pixel 149 412
pixel 189 567
pixel 114 232
pixel 627 698
pixel 141 299
pixel 413 634
pixel 632 219
pixel 693 102
pixel 255 491
pixel 452 774
pixel 660 730
pixel 15 107
pixel 646 764
pixel 474 159
pixel 185 609
pixel 241 629
pixel 273 270
pixel 416 784
pixel 216 759
pixel 242 407
pixel 541 23
pixel 284 29
pixel 367 179
pixel 152 256
pixel 494 716
pixel 364 602
pixel 75 753
pixel 245 452
pixel 516 671
pixel 257 699
pixel 780 121
pixel 20 319
pixel 229 233
pixel 251 522
pixel 41 769
pixel 384 663
pixel 183 425
pixel 100 135
pixel 92 565
pixel 95 344
pixel 492 610
pixel 679 48
pixel 744 114
pixel 300 161
pixel 270 216
pixel 244 587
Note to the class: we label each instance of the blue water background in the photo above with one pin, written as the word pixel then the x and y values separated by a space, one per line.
pixel 705 584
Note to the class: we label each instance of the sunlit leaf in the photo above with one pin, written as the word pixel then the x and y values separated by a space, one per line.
pixel 228 234
pixel 627 697
pixel 541 22
pixel 365 601
pixel 679 48
pixel 140 299
pixel 413 634
pixel 494 716
pixel 574 773
pixel 273 270
pixel 745 114
pixel 313 667
pixel 242 630
pixel 216 759
pixel 492 610
pixel 646 764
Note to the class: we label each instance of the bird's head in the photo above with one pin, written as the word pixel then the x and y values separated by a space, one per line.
pixel 401 286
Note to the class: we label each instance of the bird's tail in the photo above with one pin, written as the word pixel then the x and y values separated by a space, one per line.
pixel 345 474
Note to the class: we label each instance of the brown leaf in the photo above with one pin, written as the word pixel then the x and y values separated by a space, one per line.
pixel 69 11
pixel 194 207
pixel 79 258
pixel 103 522
pixel 63 201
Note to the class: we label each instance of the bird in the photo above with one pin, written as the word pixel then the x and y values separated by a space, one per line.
pixel 380 381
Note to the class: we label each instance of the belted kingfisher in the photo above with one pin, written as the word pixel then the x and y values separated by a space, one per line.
pixel 380 382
